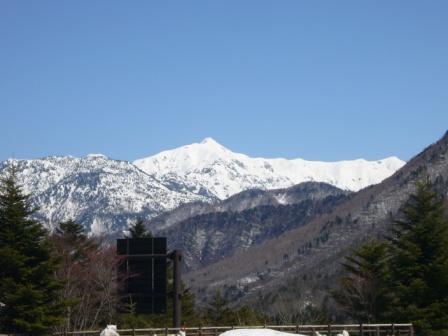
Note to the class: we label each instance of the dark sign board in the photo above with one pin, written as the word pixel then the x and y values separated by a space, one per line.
pixel 144 273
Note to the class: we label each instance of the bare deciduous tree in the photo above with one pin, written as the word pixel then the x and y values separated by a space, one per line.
pixel 89 271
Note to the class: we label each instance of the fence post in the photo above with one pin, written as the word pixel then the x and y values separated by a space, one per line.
pixel 412 330
pixel 393 329
pixel 133 331
pixel 329 330
pixel 166 331
pixel 361 330
pixel 200 331
pixel 297 328
pixel 377 331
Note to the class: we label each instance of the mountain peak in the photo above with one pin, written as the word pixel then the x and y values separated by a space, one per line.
pixel 96 156
pixel 210 142
pixel 208 167
pixel 211 145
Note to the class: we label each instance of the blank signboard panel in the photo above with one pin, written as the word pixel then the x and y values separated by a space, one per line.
pixel 144 272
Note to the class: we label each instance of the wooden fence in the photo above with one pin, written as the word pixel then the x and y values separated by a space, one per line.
pixel 399 329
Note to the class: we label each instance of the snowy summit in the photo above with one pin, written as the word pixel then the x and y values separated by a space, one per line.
pixel 211 169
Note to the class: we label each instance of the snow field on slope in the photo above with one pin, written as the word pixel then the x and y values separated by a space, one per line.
pixel 224 173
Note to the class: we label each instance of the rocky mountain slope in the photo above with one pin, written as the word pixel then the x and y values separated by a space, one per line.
pixel 301 264
pixel 105 195
pixel 243 201
pixel 209 169
pixel 246 219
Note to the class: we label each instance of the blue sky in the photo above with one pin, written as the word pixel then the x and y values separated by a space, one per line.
pixel 321 80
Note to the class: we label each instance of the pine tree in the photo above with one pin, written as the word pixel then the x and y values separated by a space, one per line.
pixel 72 243
pixel 138 230
pixel 218 312
pixel 28 288
pixel 72 230
pixel 419 264
pixel 363 291
pixel 190 316
pixel 247 316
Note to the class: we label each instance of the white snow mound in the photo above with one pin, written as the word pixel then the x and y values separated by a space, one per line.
pixel 257 332
pixel 110 330
pixel 267 332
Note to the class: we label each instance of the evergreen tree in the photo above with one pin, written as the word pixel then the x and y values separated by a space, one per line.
pixel 28 289
pixel 72 230
pixel 247 316
pixel 138 230
pixel 363 291
pixel 72 243
pixel 190 316
pixel 419 264
pixel 218 311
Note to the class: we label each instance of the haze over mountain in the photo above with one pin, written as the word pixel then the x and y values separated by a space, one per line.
pixel 106 195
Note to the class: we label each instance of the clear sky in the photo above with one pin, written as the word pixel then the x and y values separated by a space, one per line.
pixel 321 80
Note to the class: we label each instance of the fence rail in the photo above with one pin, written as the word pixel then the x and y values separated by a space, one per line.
pixel 389 329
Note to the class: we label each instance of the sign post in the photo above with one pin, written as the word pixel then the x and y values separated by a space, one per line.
pixel 144 269
pixel 176 255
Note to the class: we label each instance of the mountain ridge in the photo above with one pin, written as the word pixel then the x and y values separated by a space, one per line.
pixel 303 263
pixel 222 173
pixel 209 234
pixel 106 194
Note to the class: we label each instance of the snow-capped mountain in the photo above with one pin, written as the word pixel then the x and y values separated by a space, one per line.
pixel 209 169
pixel 104 195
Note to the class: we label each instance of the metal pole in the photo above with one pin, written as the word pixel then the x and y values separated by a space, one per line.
pixel 177 310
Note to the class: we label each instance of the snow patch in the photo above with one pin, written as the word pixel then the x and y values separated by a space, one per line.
pixel 247 280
